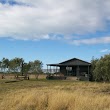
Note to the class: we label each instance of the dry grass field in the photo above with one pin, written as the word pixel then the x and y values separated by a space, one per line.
pixel 54 95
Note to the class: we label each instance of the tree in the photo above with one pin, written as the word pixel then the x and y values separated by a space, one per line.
pixel 12 66
pixel 15 65
pixel 4 64
pixel 0 66
pixel 21 63
pixel 93 63
pixel 18 65
pixel 36 67
pixel 101 70
pixel 26 67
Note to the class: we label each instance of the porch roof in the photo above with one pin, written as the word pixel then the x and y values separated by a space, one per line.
pixel 66 65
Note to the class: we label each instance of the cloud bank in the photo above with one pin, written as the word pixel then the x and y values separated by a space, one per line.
pixel 47 19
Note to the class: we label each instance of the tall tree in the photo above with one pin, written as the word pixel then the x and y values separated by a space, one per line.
pixel 0 66
pixel 36 67
pixel 26 67
pixel 15 65
pixel 12 66
pixel 5 64
pixel 93 63
pixel 101 70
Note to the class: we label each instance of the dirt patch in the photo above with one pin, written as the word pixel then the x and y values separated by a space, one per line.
pixel 12 76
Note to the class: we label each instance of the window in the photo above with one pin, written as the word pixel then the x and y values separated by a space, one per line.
pixel 69 68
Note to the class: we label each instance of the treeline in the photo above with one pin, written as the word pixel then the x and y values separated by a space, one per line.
pixel 100 68
pixel 18 65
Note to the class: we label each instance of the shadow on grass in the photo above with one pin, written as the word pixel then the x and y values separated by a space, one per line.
pixel 13 81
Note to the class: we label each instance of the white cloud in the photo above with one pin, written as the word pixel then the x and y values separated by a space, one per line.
pixel 39 18
pixel 105 50
pixel 91 41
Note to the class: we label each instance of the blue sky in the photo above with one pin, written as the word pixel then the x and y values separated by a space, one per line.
pixel 53 31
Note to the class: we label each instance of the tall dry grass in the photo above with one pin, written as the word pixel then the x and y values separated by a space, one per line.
pixel 55 99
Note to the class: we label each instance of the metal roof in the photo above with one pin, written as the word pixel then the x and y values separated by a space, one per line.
pixel 71 62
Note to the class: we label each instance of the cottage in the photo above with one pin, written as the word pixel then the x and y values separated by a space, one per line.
pixel 72 67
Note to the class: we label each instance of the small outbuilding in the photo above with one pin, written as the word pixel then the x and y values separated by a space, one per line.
pixel 73 67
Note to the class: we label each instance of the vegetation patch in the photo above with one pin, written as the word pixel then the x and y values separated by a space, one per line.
pixel 54 95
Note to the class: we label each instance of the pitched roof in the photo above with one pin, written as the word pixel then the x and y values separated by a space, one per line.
pixel 73 61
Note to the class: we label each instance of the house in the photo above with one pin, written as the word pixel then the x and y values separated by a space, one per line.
pixel 73 67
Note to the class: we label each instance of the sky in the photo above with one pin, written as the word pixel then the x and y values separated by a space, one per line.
pixel 54 30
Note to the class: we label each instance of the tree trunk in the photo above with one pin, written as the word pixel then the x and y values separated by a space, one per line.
pixel 37 76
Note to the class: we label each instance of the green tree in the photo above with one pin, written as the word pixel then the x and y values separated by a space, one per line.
pixel 93 66
pixel 5 64
pixel 18 63
pixel 0 66
pixel 12 66
pixel 26 67
pixel 15 65
pixel 101 71
pixel 36 67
